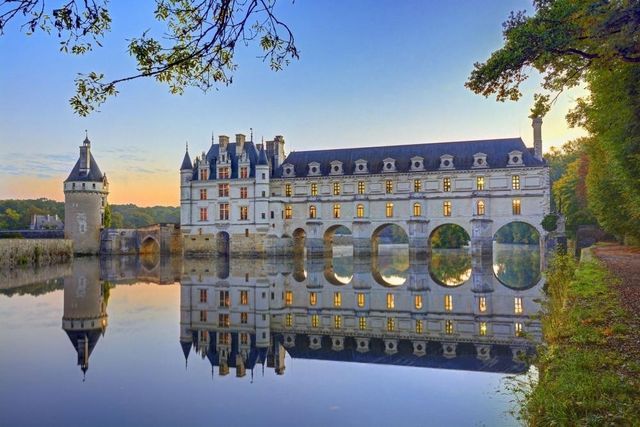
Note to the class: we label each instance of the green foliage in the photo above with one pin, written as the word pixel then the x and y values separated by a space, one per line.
pixel 517 232
pixel 16 214
pixel 449 236
pixel 107 216
pixel 550 222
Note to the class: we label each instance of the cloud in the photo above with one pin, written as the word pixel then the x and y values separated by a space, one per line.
pixel 47 165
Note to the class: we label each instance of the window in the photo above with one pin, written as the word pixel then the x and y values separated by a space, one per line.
pixel 483 329
pixel 417 209
pixel 389 210
pixel 204 174
pixel 362 323
pixel 360 211
pixel 244 318
pixel 391 324
pixel 446 208
pixel 203 194
pixel 314 189
pixel 264 176
pixel 243 192
pixel 480 183
pixel 517 305
pixel 519 330
pixel 224 173
pixel 244 213
pixel 446 184
pixel 336 210
pixel 224 211
pixel 203 295
pixel 482 304
pixel 223 321
pixel 480 207
pixel 361 299
pixel 516 207
pixel 337 299
pixel 244 339
pixel 288 212
pixel 419 327
pixel 515 182
pixel 244 297
pixel 448 327
pixel 336 188
pixel 203 316
pixel 417 185
pixel 448 302
pixel 224 338
pixel 244 172
pixel 417 302
pixel 313 298
pixel 204 214
pixel 388 185
pixel 315 321
pixel 224 299
pixel 313 212
pixel 337 321
pixel 391 301
pixel 288 320
pixel 287 190
pixel 223 190
pixel 361 187
pixel 288 298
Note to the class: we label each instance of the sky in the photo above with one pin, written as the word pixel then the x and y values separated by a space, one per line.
pixel 370 73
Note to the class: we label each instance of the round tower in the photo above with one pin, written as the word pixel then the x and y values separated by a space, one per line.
pixel 186 173
pixel 85 198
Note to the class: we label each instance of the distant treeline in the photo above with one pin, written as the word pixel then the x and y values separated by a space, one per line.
pixel 16 214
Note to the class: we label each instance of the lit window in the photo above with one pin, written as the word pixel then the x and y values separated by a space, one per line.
pixel 224 338
pixel 203 295
pixel 287 190
pixel 203 194
pixel 337 299
pixel 244 297
pixel 204 174
pixel 314 189
pixel 360 211
pixel 337 321
pixel 448 302
pixel 288 212
pixel 362 323
pixel 243 192
pixel 244 339
pixel 361 299
pixel 223 190
pixel 446 184
pixel 391 301
pixel 519 330
pixel 448 327
pixel 516 207
pixel 244 318
pixel 417 209
pixel 480 183
pixel 224 299
pixel 417 185
pixel 419 327
pixel 204 214
pixel 417 301
pixel 480 207
pixel 517 307
pixel 361 187
pixel 315 320
pixel 203 316
pixel 389 186
pixel 244 213
pixel 313 298
pixel 288 298
pixel 336 210
pixel 391 324
pixel 244 172
pixel 446 208
pixel 224 211
pixel 515 182
pixel 389 210
pixel 483 329
pixel 288 320
pixel 336 188
pixel 482 304
pixel 224 173
pixel 313 212
pixel 223 321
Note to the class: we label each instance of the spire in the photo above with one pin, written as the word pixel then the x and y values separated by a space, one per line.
pixel 186 161
pixel 251 133
pixel 86 138
pixel 212 141
pixel 262 157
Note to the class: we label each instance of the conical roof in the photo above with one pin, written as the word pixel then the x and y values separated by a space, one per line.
pixel 186 162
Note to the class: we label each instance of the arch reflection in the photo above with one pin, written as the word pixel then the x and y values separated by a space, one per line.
pixel 450 267
pixel 391 270
pixel 516 266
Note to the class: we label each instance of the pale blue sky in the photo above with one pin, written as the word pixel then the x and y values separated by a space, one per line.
pixel 370 73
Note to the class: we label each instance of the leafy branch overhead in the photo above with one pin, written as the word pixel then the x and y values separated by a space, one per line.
pixel 563 40
pixel 197 49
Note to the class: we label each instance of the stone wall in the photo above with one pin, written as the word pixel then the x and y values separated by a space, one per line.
pixel 16 252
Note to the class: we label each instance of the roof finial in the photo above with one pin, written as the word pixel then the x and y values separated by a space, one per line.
pixel 211 137
pixel 251 131
pixel 187 146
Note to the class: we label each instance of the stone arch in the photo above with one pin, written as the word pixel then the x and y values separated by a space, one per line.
pixel 149 245
pixel 389 275
pixel 517 255
pixel 389 233
pixel 339 271
pixel 449 235
pixel 337 235
pixel 223 241
pixel 299 241
pixel 517 222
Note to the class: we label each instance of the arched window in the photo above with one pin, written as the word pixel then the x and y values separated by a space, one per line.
pixel 313 212
pixel 480 207
pixel 360 211
pixel 417 209
pixel 389 210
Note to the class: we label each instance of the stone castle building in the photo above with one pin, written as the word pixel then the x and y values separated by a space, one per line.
pixel 251 199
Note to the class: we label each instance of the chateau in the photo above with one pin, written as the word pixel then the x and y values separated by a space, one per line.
pixel 251 199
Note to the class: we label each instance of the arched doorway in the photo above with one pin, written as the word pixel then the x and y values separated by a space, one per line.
pixel 222 243
pixel 338 241
pixel 390 239
pixel 516 255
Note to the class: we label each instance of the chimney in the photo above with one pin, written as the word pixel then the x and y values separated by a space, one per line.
pixel 240 138
pixel 223 140
pixel 536 123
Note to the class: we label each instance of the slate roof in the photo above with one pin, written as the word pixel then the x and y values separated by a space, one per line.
pixel 94 175
pixel 187 164
pixel 462 151
pixel 212 156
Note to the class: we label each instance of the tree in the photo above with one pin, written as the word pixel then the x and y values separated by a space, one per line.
pixel 196 50
pixel 107 216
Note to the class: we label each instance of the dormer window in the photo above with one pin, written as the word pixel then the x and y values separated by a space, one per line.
pixel 417 163
pixel 336 168
pixel 446 161
pixel 314 168
pixel 515 158
pixel 361 166
pixel 480 160
pixel 389 165
pixel 288 170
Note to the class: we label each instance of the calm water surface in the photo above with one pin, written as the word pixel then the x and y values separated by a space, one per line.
pixel 173 342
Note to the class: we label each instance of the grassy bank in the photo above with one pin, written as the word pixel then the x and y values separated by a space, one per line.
pixel 584 379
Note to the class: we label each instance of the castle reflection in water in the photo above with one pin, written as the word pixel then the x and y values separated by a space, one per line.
pixel 451 311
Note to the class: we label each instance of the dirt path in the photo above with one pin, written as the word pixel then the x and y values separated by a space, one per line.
pixel 624 263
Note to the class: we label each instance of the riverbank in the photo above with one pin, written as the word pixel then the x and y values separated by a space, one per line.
pixel 34 252
pixel 589 370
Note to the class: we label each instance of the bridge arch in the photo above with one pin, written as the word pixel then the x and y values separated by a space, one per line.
pixel 299 241
pixel 223 241
pixel 390 272
pixel 449 235
pixel 337 235
pixel 517 260
pixel 149 245
pixel 450 268
pixel 389 234
pixel 338 271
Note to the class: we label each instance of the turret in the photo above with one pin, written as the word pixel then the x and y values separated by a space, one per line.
pixel 262 187
pixel 536 123
pixel 186 174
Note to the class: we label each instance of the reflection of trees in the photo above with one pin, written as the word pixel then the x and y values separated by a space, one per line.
pixel 449 236
pixel 450 267
pixel 517 266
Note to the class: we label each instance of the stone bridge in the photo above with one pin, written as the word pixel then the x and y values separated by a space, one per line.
pixel 154 239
